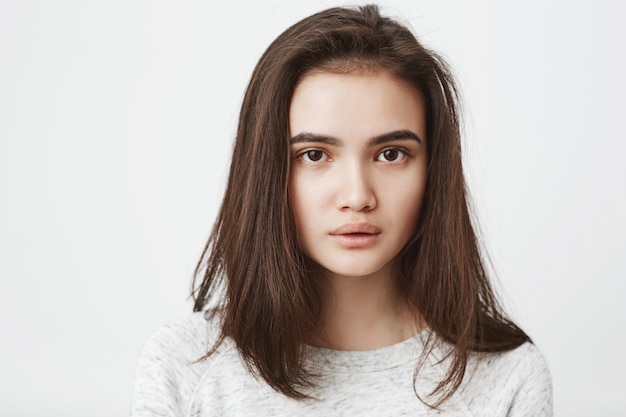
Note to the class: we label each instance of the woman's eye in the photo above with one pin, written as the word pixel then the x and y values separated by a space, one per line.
pixel 314 155
pixel 391 155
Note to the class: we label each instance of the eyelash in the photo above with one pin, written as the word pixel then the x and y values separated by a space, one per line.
pixel 306 155
pixel 400 151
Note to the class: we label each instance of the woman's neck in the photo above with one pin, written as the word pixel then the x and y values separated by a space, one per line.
pixel 363 313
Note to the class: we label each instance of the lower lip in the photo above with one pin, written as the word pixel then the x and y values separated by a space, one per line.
pixel 355 240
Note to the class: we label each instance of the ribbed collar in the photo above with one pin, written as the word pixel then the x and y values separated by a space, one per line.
pixel 388 357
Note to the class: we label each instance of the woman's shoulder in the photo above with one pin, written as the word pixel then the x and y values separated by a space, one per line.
pixel 190 334
pixel 524 362
pixel 172 363
pixel 517 379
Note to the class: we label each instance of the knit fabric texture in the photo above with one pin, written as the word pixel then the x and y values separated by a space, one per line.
pixel 172 381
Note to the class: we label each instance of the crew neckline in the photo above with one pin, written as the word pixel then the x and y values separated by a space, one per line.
pixel 374 360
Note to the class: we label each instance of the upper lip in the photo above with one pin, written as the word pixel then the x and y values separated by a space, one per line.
pixel 364 227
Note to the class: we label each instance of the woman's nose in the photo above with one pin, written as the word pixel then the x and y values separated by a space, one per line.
pixel 356 191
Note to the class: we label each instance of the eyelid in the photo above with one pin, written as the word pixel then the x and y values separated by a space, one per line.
pixel 400 149
pixel 303 152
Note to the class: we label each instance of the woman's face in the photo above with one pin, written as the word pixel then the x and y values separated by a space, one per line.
pixel 358 142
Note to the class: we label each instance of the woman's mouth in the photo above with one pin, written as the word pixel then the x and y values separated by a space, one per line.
pixel 356 235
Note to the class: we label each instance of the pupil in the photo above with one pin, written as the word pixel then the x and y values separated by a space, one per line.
pixel 315 155
pixel 391 154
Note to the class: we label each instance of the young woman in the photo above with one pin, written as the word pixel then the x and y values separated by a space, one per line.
pixel 346 272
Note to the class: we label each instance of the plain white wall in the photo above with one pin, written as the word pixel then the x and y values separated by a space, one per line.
pixel 116 123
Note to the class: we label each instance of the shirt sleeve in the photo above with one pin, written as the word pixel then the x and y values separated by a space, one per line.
pixel 157 386
pixel 169 368
pixel 534 396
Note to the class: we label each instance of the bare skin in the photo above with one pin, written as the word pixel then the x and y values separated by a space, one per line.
pixel 357 185
pixel 364 313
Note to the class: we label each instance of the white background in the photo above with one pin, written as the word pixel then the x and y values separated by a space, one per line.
pixel 116 124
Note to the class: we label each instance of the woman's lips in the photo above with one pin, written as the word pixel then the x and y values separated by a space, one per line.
pixel 356 235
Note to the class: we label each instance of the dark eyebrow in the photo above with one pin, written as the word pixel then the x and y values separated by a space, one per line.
pixel 312 137
pixel 395 135
pixel 376 140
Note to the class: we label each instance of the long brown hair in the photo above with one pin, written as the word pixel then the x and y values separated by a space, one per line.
pixel 268 304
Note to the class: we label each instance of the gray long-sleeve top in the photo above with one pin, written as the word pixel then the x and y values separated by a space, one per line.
pixel 171 382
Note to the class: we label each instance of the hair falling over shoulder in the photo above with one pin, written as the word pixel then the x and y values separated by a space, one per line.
pixel 252 264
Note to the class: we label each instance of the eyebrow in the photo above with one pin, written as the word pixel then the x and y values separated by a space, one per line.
pixel 404 134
